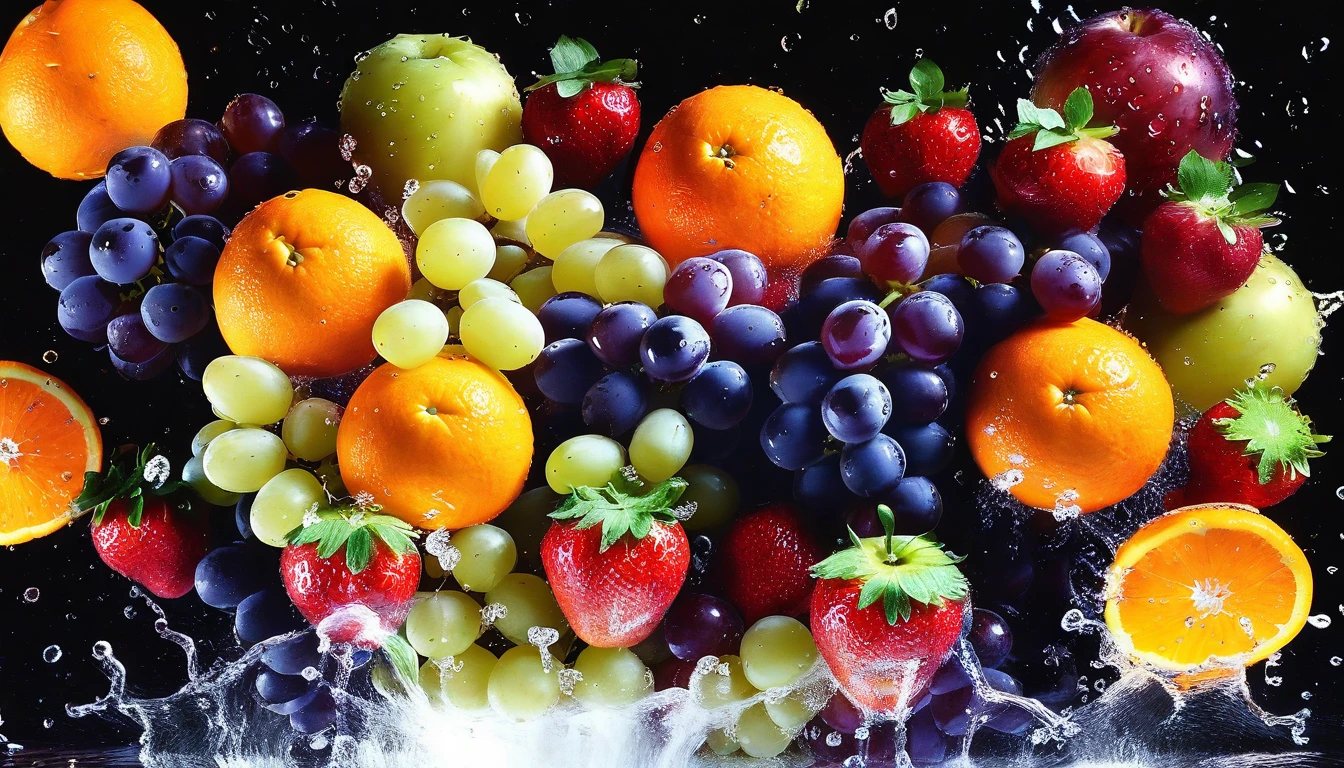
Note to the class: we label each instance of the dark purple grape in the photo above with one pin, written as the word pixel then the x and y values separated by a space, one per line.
pixel 617 330
pixel 956 288
pixel 252 123
pixel 66 257
pixel 842 714
pixel 916 504
pixel 138 180
pixel 819 487
pixel 86 306
pixel 673 349
pixel 927 327
pixel 924 743
pixel 699 288
pixel 702 625
pixel 255 178
pixel 200 350
pixel 131 341
pixel 834 265
pixel 242 515
pixel 1090 247
pixel 861 227
pixel 719 397
pixel 615 404
pixel 205 227
pixel 174 312
pixel 919 395
pixel 862 519
pixel 748 334
pixel 928 205
pixel 949 380
pixel 565 370
pixel 1066 285
pixel 881 743
pixel 146 370
pixel 856 408
pixel 284 694
pixel 314 152
pixel 813 308
pixel 952 711
pixel 804 374
pixel 855 335
pixel 793 436
pixel 190 136
pixel 293 654
pixel 827 744
pixel 749 280
pixel 998 310
pixel 96 209
pixel 951 676
pixel 318 714
pixel 895 253
pixel 928 448
pixel 568 315
pixel 226 575
pixel 872 468
pixel 673 673
pixel 991 254
pixel 191 260
pixel 124 250
pixel 200 184
pixel 266 614
pixel 991 637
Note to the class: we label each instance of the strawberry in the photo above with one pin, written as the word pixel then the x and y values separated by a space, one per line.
pixel 585 116
pixel 886 614
pixel 918 137
pixel 1057 173
pixel 136 531
pixel 1204 242
pixel 764 562
pixel 1250 449
pixel 615 582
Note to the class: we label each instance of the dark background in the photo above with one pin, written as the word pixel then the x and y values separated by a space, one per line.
pixel 832 56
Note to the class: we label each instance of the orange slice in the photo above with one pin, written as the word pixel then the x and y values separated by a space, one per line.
pixel 1205 587
pixel 48 440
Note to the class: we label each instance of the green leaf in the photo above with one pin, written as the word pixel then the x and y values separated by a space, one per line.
pixel 904 113
pixel 915 570
pixel 899 97
pixel 926 79
pixel 1078 109
pixel 1252 198
pixel 1050 138
pixel 135 510
pixel 1027 113
pixel 358 550
pixel 1201 179
pixel 570 55
pixel 1050 120
pixel 619 512
pixel 1229 234
pixel 568 88
pixel 1273 429
pixel 404 659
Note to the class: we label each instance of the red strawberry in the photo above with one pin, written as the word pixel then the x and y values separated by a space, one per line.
pixel 618 568
pixel 584 117
pixel 1250 449
pixel 764 562
pixel 1057 173
pixel 136 531
pixel 920 137
pixel 1204 242
pixel 886 614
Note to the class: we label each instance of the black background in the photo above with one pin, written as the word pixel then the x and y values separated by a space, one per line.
pixel 831 56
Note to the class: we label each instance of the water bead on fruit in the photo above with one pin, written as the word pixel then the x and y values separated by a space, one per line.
pixel 410 333
pixel 856 408
pixel 617 330
pixel 758 735
pixel 193 474
pixel 534 287
pixel 661 445
pixel 310 427
pixel 776 651
pixel 528 602
pixel 243 460
pixel 589 460
pixel 1066 285
pixel 209 432
pixel 488 555
pixel 453 252
pixel 631 273
pixel 482 289
pixel 248 390
pixel 485 160
pixel 437 200
pixel 563 218
pixel 443 623
pixel 199 184
pixel 519 178
pixel 520 687
pixel 510 261
pixel 462 682
pixel 714 689
pixel 699 288
pixel 282 502
pixel 612 677
pixel 501 333
pixel 715 494
pixel 574 267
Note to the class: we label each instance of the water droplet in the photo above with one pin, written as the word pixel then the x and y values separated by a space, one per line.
pixel 31 594
pixel 1319 621
pixel 889 18
pixel 51 654
pixel 50 356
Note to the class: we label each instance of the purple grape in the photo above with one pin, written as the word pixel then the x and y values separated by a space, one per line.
pixel 949 379
pixel 264 615
pixel 699 288
pixel 927 327
pixel 242 515
pixel 1066 285
pixel 803 374
pixel 200 350
pixel 205 227
pixel 991 254
pixel 842 714
pixel 991 637
pixel 255 178
pixel 191 260
pixel 673 673
pixel 673 349
pixel 124 250
pixel 924 743
pixel 138 180
pixel 227 575
pixel 143 371
pixel 200 184
pixel 252 123
pixel 813 308
pixel 793 436
pixel 952 711
pixel 956 288
pixel 96 209
pixel 919 394
pixel 318 714
pixel 916 504
pixel 719 397
pixel 819 486
pixel 275 688
pixel 748 273
pixel 702 625
pixel 615 404
pixel 856 408
pixel 861 227
pixel 174 312
pixel 997 310
pixel 1090 247
pixel 828 744
pixel 617 330
pixel 565 370
pixel 748 334
pixel 872 468
pixel 895 253
pixel 314 152
pixel 834 265
pixel 928 448
pixel 131 341
pixel 568 315
pixel 86 306
pixel 928 205
pixel 190 136
pixel 855 335
pixel 66 257
pixel 293 654
pixel 951 676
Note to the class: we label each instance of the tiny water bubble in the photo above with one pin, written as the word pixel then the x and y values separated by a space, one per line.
pixel 861 733
pixel 1319 621
pixel 491 613
pixel 567 679
pixel 50 356
pixel 157 471
pixel 310 673
pixel 51 654
pixel 1007 479
pixel 889 18
pixel 128 612
pixel 1335 661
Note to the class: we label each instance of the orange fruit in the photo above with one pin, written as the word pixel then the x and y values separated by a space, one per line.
pixel 739 166
pixel 1211 586
pixel 81 80
pixel 1069 415
pixel 444 445
pixel 48 440
pixel 302 280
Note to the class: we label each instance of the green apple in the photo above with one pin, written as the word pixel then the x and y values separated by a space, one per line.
pixel 422 106
pixel 1269 325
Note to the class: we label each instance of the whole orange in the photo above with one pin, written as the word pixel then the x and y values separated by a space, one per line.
pixel 302 280
pixel 739 166
pixel 81 80
pixel 1069 415
pixel 444 445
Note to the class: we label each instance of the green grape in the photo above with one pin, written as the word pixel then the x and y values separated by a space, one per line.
pixel 210 432
pixel 511 233
pixel 520 687
pixel 617 236
pixel 454 316
pixel 244 459
pixel 563 218
pixel 438 200
pixel 250 390
pixel 410 333
pixel 282 502
pixel 776 651
pixel 424 290
pixel 485 160
pixel 612 677
pixel 386 680
pixel 484 288
pixel 720 743
pixel 631 273
pixel 574 266
pixel 488 555
pixel 526 520
pixel 791 712
pixel 584 460
pixel 193 474
pixel 501 333
pixel 529 603
pixel 329 473
pixel 461 681
pixel 715 690
pixel 309 431
pixel 517 181
pixel 443 624
pixel 758 735
pixel 534 287
pixel 453 252
pixel 715 494
pixel 509 262
pixel 661 445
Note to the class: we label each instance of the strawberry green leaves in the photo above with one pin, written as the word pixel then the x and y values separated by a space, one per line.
pixel 926 82
pixel 1211 187
pixel 1052 129
pixel 131 476
pixel 620 511
pixel 1272 427
pixel 577 65
pixel 354 529
pixel 405 661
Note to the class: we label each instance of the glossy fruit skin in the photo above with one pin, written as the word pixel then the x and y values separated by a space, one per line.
pixel 1188 262
pixel 871 658
pixel 615 599
pixel 587 135
pixel 1221 471
pixel 1067 186
pixel 320 587
pixel 764 561
pixel 942 146
pixel 160 555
